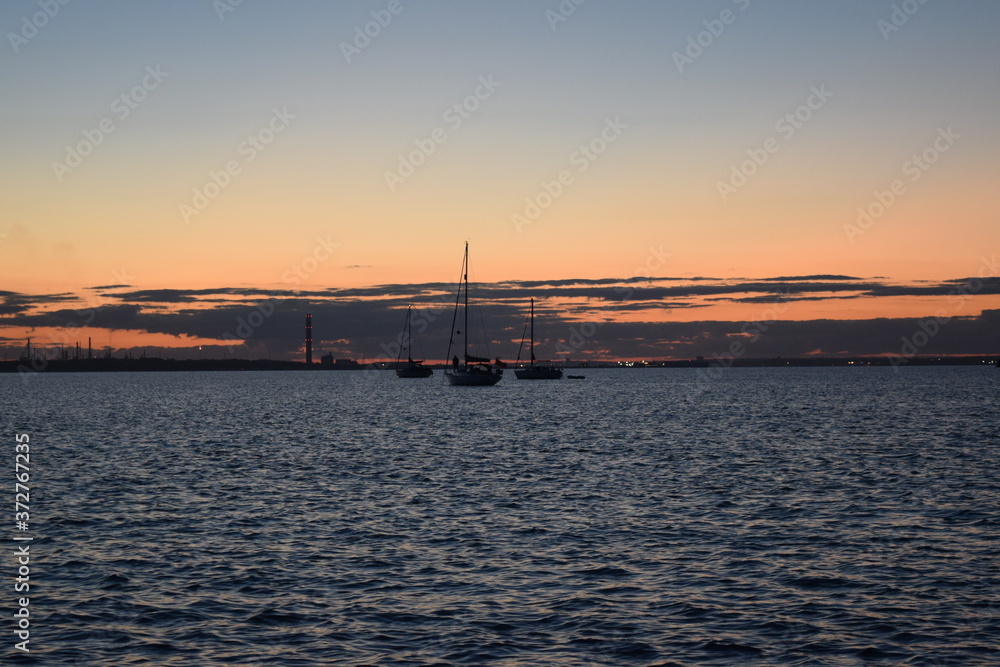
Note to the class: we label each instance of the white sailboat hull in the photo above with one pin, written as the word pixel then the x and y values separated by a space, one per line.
pixel 475 371
pixel 533 372
pixel 473 378
pixel 414 371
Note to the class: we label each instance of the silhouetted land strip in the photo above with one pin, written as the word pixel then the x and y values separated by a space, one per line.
pixel 115 365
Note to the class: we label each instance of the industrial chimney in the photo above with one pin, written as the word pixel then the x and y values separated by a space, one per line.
pixel 309 339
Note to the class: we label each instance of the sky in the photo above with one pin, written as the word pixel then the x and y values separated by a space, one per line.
pixel 664 178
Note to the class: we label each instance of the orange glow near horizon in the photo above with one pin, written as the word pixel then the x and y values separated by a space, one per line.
pixel 53 339
pixel 613 169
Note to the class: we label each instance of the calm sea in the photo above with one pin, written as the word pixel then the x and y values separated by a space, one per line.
pixel 828 516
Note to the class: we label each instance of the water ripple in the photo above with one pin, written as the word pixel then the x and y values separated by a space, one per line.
pixel 788 517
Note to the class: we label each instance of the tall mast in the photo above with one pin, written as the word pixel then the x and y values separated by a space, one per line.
pixel 458 300
pixel 532 348
pixel 406 335
pixel 465 360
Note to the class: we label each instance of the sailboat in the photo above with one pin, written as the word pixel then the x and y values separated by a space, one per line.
pixel 412 369
pixel 473 371
pixel 535 371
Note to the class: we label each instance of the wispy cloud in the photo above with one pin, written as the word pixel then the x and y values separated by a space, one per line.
pixel 369 317
pixel 15 302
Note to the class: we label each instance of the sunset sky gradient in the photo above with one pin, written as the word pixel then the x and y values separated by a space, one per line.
pixel 263 152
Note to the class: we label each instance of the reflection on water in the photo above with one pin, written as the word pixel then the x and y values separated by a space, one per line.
pixel 785 516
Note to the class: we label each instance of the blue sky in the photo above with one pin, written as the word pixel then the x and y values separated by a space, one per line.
pixel 891 93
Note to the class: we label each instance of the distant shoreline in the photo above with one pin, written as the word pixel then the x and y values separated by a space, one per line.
pixel 115 365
